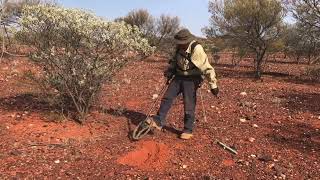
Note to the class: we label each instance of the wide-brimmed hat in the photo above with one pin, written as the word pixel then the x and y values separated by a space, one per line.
pixel 184 37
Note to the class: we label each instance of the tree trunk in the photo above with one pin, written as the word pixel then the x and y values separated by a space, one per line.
pixel 258 62
pixel 309 59
pixel 258 69
pixel 298 59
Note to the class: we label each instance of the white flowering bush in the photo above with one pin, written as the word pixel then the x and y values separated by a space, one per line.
pixel 78 51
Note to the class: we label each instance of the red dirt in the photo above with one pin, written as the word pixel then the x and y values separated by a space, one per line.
pixel 37 144
pixel 228 162
pixel 48 132
pixel 149 155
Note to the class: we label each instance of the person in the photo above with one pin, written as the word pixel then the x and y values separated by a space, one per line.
pixel 187 69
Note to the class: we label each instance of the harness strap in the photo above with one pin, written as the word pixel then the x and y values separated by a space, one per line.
pixel 188 55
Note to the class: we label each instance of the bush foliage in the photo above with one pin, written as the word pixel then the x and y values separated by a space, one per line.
pixel 77 51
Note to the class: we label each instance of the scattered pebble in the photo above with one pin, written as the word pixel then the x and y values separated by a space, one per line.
pixel 57 161
pixel 271 165
pixel 184 166
pixel 265 157
pixel 243 93
pixel 155 96
pixel 251 139
pixel 283 176
pixel 243 120
pixel 255 125
pixel 253 156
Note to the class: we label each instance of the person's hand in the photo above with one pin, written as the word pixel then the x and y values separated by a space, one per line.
pixel 168 74
pixel 215 91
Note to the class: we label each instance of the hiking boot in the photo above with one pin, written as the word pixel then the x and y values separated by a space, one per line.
pixel 186 136
pixel 153 124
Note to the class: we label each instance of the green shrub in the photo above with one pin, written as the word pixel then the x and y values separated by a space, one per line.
pixel 77 51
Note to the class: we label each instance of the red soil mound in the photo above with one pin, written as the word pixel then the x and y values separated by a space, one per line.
pixel 148 155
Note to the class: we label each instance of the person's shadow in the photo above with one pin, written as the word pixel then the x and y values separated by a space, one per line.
pixel 134 118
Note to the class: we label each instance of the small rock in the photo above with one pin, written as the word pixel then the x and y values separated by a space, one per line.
pixel 319 117
pixel 57 161
pixel 253 156
pixel 247 104
pixel 184 166
pixel 255 126
pixel 243 93
pixel 243 120
pixel 127 81
pixel 271 165
pixel 265 158
pixel 279 170
pixel 155 96
pixel 277 100
pixel 251 139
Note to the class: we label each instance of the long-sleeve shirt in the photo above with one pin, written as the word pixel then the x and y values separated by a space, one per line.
pixel 200 65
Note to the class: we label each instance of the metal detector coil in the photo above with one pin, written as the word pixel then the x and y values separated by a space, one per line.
pixel 143 128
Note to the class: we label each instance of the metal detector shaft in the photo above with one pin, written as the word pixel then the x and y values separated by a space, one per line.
pixel 203 109
pixel 160 95
pixel 143 128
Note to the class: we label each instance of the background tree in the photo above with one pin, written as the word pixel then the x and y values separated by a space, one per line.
pixel 167 26
pixel 158 30
pixel 248 24
pixel 307 15
pixel 10 12
pixel 142 19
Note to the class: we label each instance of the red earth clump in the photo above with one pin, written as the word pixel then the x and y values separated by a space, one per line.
pixel 149 155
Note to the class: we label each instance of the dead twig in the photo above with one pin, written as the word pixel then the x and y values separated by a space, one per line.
pixel 15 55
pixel 226 147
pixel 42 144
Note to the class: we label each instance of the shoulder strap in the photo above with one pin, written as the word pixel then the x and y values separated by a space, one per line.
pixel 188 55
pixel 193 45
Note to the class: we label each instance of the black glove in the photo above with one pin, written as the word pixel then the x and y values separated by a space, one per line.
pixel 215 91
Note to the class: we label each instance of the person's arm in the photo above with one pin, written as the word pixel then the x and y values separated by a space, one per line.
pixel 171 69
pixel 200 60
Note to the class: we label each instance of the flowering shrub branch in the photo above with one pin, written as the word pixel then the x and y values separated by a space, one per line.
pixel 77 51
